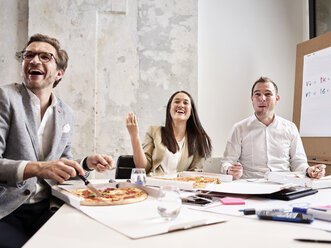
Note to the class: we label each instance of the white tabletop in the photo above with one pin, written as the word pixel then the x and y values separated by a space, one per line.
pixel 71 228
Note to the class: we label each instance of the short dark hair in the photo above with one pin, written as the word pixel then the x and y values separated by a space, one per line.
pixel 198 140
pixel 62 56
pixel 264 80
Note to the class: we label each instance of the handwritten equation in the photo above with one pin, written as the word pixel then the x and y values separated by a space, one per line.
pixel 315 118
pixel 318 87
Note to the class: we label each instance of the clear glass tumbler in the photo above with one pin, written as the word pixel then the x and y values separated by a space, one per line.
pixel 138 176
pixel 169 202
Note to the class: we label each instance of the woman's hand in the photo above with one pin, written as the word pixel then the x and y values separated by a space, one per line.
pixel 132 125
pixel 138 152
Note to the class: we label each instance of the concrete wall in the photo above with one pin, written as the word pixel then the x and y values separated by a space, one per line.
pixel 131 55
pixel 13 33
pixel 239 41
pixel 124 55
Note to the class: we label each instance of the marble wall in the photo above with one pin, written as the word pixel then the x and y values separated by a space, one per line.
pixel 124 55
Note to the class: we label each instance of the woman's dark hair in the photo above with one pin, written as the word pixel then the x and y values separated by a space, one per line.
pixel 197 138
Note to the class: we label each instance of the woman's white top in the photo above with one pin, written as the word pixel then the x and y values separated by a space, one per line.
pixel 171 160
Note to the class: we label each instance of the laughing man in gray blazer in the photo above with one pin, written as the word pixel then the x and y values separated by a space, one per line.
pixel 35 147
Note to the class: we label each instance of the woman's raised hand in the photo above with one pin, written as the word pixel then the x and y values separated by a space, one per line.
pixel 132 125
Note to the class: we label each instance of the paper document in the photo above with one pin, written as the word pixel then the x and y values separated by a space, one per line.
pixel 243 186
pixel 141 219
pixel 322 198
pixel 299 180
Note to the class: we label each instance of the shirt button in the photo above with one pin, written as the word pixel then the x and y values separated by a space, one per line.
pixel 27 192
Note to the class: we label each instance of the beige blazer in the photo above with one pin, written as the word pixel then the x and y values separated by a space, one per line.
pixel 154 151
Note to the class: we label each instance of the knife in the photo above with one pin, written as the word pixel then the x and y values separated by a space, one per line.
pixel 89 185
pixel 152 192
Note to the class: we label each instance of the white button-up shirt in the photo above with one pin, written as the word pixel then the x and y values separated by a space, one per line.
pixel 260 148
pixel 45 138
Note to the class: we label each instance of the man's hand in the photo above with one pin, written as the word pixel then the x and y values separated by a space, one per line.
pixel 316 171
pixel 236 171
pixel 59 170
pixel 100 162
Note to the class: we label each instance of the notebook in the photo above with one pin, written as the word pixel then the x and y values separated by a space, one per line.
pixel 290 193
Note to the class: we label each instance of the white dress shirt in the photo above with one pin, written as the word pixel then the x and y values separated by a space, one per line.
pixel 260 148
pixel 45 127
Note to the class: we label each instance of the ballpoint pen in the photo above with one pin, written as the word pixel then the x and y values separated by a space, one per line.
pixel 321 208
pixel 325 241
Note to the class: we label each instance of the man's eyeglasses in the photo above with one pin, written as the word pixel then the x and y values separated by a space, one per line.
pixel 44 57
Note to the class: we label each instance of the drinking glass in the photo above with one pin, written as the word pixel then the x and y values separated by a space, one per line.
pixel 169 202
pixel 138 176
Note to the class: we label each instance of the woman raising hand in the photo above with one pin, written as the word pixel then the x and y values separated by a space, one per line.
pixel 181 145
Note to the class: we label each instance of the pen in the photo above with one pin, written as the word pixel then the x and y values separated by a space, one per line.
pixel 318 213
pixel 250 211
pixel 327 210
pixel 315 240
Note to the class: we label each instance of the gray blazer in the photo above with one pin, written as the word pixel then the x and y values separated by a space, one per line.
pixel 19 142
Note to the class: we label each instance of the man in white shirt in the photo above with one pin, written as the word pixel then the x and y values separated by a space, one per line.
pixel 265 142
pixel 35 142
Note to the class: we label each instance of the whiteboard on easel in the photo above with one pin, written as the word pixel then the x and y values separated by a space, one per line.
pixel 315 120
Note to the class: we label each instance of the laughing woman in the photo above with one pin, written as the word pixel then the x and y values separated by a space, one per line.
pixel 181 145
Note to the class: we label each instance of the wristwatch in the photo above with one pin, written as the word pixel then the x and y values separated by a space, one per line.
pixel 85 167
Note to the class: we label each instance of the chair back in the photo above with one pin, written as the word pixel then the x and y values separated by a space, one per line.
pixel 124 167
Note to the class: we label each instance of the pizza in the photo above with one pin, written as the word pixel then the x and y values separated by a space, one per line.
pixel 198 181
pixel 111 196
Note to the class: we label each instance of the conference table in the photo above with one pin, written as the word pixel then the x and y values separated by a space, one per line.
pixel 70 227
